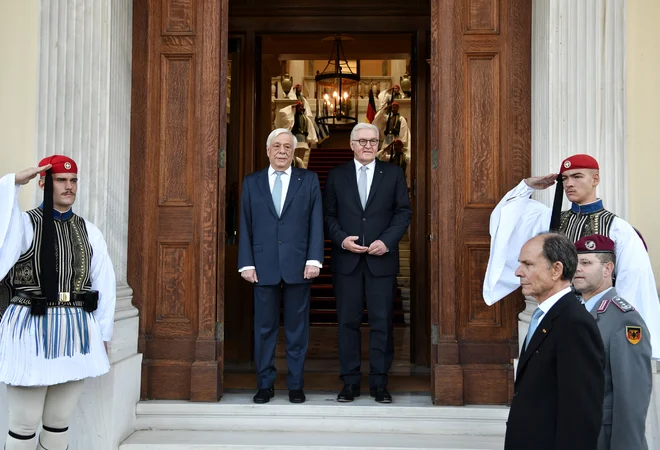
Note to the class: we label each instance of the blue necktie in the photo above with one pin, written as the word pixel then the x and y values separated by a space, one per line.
pixel 277 192
pixel 532 325
pixel 362 186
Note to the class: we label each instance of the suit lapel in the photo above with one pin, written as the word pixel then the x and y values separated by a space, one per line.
pixel 265 190
pixel 294 185
pixel 543 330
pixel 351 178
pixel 379 174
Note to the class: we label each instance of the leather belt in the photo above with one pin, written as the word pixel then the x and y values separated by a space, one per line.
pixel 73 299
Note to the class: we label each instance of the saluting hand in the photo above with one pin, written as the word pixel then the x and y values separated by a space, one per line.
pixel 25 175
pixel 541 183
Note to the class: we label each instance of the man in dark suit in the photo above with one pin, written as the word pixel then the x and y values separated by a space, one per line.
pixel 367 211
pixel 558 392
pixel 628 375
pixel 280 252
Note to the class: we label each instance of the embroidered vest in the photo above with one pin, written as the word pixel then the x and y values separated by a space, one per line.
pixel 73 257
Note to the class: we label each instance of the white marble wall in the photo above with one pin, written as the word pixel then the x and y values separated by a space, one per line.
pixel 83 111
pixel 579 91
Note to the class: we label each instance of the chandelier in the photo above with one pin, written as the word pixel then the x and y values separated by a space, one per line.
pixel 336 87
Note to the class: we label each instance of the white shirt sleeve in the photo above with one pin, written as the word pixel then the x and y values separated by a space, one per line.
pixel 103 280
pixel 516 219
pixel 635 282
pixel 16 230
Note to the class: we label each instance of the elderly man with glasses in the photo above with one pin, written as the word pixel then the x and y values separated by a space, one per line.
pixel 367 211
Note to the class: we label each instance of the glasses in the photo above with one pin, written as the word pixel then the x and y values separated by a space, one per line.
pixel 364 142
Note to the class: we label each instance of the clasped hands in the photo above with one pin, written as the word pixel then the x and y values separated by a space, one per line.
pixel 377 247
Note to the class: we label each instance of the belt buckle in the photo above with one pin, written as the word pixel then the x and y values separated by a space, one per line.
pixel 65 297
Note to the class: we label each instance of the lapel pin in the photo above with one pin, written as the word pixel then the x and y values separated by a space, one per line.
pixel 544 330
pixel 298 179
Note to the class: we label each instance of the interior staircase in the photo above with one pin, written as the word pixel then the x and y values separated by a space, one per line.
pixel 323 308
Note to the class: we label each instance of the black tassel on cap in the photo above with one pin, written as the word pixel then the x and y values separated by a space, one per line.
pixel 48 275
pixel 556 206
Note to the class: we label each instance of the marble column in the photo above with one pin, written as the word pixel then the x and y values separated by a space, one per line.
pixel 398 69
pixel 579 91
pixel 297 72
pixel 579 96
pixel 83 104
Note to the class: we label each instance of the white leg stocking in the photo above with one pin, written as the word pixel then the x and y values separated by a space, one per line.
pixel 61 401
pixel 25 407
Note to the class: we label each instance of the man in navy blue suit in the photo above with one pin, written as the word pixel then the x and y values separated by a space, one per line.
pixel 280 252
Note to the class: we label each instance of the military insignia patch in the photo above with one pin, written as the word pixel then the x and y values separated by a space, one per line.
pixel 567 164
pixel 633 334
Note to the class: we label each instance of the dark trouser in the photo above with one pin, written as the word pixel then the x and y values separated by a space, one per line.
pixel 266 327
pixel 351 290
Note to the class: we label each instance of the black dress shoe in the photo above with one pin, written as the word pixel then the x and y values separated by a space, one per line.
pixel 263 395
pixel 349 393
pixel 296 396
pixel 380 394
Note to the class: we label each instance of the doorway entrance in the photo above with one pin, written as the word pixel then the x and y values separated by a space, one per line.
pixel 279 73
pixel 471 64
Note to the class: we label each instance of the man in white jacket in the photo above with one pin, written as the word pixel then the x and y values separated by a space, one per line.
pixel 517 218
pixel 57 281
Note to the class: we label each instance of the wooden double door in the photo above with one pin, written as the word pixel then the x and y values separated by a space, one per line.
pixel 471 123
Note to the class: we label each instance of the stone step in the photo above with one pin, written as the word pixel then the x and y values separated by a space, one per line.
pixel 245 440
pixel 409 414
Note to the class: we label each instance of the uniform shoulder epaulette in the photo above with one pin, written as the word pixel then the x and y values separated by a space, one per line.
pixel 622 304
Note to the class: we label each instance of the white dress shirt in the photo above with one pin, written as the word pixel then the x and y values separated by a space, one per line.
pixel 371 168
pixel 286 179
pixel 550 302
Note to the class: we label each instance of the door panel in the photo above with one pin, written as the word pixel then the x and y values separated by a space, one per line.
pixel 480 140
pixel 179 60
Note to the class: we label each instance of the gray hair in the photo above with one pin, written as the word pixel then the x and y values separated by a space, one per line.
pixel 276 132
pixel 364 126
pixel 558 248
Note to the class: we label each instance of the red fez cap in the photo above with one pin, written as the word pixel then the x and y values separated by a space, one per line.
pixel 297 85
pixel 596 243
pixel 396 85
pixel 395 103
pixel 398 141
pixel 579 161
pixel 60 163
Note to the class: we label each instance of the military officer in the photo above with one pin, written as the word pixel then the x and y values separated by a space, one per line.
pixel 627 347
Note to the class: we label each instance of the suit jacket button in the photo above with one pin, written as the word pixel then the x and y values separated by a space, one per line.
pixel 364 219
pixel 515 394
pixel 280 242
